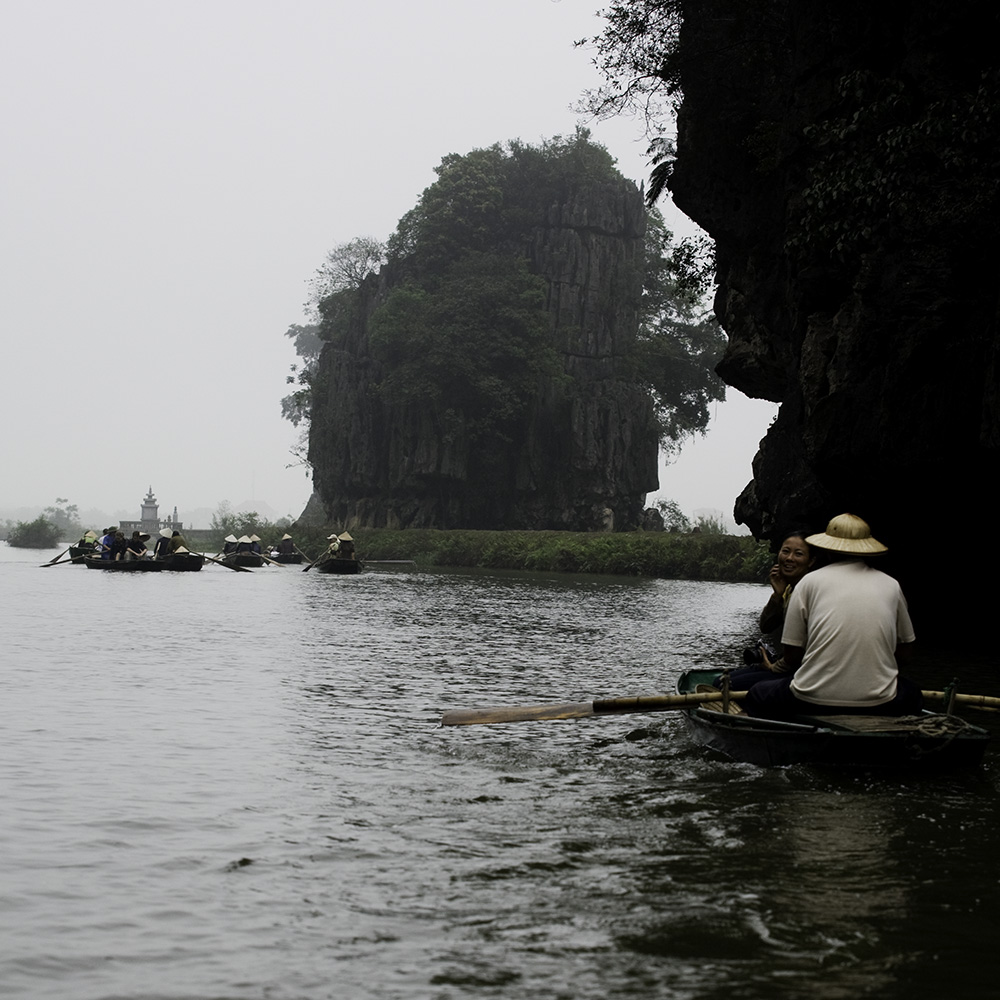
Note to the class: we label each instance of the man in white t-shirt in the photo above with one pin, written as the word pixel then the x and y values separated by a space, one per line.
pixel 846 631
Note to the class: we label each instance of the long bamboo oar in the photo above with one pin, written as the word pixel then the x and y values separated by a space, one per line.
pixel 52 562
pixel 238 569
pixel 644 703
pixel 318 558
pixel 981 701
pixel 581 709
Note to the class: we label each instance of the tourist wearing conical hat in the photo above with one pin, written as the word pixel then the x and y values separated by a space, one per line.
pixel 847 630
pixel 346 546
pixel 162 546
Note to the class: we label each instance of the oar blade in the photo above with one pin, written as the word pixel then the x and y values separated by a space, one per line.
pixel 583 709
pixel 515 713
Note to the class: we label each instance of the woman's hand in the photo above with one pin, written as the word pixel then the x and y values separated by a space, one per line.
pixel 775 666
pixel 777 580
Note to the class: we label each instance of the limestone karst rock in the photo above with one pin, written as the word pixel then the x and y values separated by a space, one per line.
pixel 584 455
pixel 845 159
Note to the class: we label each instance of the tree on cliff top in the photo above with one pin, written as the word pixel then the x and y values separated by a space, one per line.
pixel 465 328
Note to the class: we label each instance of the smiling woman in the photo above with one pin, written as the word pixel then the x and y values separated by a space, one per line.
pixel 795 559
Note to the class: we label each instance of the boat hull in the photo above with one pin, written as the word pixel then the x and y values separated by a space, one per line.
pixel 185 562
pixel 248 560
pixel 124 566
pixel 288 558
pixel 343 566
pixel 836 741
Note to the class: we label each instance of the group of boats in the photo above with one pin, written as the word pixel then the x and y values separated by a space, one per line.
pixel 242 553
pixel 246 553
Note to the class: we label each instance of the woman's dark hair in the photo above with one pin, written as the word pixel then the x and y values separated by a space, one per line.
pixel 802 533
pixel 818 555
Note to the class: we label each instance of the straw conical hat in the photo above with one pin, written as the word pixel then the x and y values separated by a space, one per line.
pixel 848 533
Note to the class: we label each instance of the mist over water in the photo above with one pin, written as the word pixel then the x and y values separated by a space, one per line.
pixel 233 785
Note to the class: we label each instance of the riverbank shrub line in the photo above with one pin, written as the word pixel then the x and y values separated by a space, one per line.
pixel 727 558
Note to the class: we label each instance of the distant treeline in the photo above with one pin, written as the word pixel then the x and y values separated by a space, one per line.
pixel 732 558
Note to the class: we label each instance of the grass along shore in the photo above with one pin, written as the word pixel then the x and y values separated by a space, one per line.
pixel 699 556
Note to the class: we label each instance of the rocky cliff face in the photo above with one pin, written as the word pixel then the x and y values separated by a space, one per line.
pixel 844 158
pixel 584 457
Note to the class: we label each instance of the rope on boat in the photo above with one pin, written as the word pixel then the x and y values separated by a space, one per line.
pixel 941 727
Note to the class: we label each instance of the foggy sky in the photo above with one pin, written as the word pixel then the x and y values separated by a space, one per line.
pixel 174 174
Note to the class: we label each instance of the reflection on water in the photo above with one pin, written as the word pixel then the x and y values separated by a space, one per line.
pixel 223 784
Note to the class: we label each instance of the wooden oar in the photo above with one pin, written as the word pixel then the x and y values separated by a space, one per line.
pixel 644 703
pixel 52 562
pixel 981 701
pixel 581 709
pixel 272 561
pixel 61 562
pixel 239 569
pixel 318 558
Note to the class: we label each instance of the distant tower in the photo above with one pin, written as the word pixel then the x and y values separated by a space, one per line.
pixel 150 516
pixel 149 520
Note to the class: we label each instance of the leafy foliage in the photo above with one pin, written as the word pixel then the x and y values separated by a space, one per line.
pixel 226 521
pixel 346 266
pixel 679 343
pixel 888 161
pixel 296 405
pixel 460 329
pixel 674 519
pixel 474 342
pixel 636 53
pixel 702 556
pixel 37 534
pixel 65 516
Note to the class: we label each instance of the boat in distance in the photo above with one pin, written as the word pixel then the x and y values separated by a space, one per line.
pixel 925 742
pixel 287 558
pixel 125 565
pixel 187 562
pixel 248 560
pixel 339 566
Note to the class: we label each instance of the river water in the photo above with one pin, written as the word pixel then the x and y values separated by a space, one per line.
pixel 233 785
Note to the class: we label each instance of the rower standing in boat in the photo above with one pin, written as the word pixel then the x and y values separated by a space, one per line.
pixel 846 631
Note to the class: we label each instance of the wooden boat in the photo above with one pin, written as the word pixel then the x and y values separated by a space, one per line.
pixel 79 553
pixel 123 565
pixel 336 565
pixel 288 558
pixel 925 742
pixel 249 560
pixel 188 562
